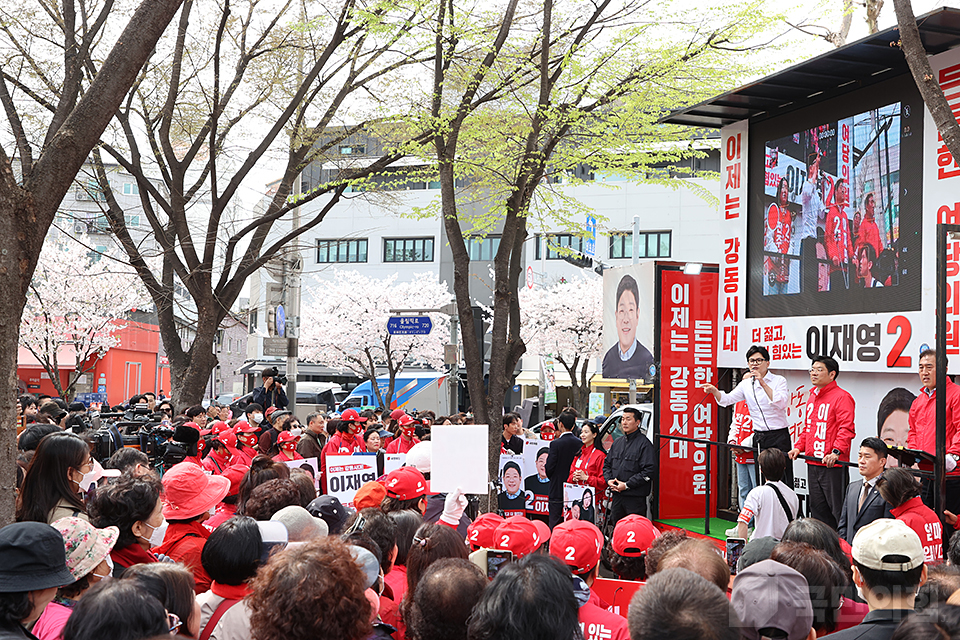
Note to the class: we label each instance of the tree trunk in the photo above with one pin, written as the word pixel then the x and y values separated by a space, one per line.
pixel 924 77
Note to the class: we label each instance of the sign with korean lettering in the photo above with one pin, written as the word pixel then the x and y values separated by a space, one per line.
pixel 688 359
pixel 409 325
pixel 831 247
pixel 346 474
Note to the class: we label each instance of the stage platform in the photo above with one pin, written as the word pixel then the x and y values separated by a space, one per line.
pixel 694 528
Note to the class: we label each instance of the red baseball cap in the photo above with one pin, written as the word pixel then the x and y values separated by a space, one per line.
pixel 235 474
pixel 244 427
pixel 577 543
pixel 269 411
pixel 351 415
pixel 521 536
pixel 633 535
pixel 406 420
pixel 228 439
pixel 218 427
pixel 286 436
pixel 396 413
pixel 405 483
pixel 480 532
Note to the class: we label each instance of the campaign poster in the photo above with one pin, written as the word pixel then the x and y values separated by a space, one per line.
pixel 536 484
pixel 511 500
pixel 628 318
pixel 393 461
pixel 596 405
pixel 688 333
pixel 549 380
pixel 346 474
pixel 579 503
pixel 829 248
pixel 310 466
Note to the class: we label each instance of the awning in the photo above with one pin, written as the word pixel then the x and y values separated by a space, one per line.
pixel 532 378
pixel 616 383
pixel 66 358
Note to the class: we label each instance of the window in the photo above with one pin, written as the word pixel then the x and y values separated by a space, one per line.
pixel 131 189
pixel 483 248
pixel 557 241
pixel 91 191
pixel 341 250
pixel 253 321
pixel 352 149
pixel 132 221
pixel 653 244
pixel 408 250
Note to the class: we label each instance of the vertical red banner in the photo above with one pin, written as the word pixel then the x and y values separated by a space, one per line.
pixel 688 358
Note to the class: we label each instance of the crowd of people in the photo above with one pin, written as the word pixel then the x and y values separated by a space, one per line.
pixel 236 542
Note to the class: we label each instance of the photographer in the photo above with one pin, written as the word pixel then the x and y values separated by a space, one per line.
pixel 271 394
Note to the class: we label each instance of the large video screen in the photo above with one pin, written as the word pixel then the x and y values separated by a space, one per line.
pixel 836 227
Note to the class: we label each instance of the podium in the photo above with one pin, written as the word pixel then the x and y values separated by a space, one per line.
pixel 909 457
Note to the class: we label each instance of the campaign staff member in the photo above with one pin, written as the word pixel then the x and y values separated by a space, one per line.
pixel 628 358
pixel 766 396
pixel 827 434
pixel 863 503
pixel 923 431
pixel 629 467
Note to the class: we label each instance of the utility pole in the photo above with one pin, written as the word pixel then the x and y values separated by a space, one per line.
pixel 292 268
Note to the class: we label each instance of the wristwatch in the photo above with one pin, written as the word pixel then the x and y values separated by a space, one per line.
pixel 836 452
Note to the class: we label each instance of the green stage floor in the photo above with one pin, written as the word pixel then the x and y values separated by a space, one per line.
pixel 717 526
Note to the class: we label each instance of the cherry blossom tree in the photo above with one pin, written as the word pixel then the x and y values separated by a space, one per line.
pixel 76 303
pixel 566 321
pixel 346 328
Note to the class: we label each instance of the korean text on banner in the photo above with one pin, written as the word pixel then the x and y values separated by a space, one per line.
pixel 346 474
pixel 688 317
pixel 459 458
pixel 393 461
pixel 733 231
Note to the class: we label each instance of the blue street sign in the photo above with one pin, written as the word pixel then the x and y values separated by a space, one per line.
pixel 590 241
pixel 281 321
pixel 409 325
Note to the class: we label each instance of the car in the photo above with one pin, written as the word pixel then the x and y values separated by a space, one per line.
pixel 611 430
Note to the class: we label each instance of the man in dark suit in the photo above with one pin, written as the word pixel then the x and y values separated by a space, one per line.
pixel 563 450
pixel 863 504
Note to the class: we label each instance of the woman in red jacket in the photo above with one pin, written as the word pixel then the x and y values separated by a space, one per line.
pixel 587 468
pixel 898 487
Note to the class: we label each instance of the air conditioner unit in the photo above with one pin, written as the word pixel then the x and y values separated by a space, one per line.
pixel 79 227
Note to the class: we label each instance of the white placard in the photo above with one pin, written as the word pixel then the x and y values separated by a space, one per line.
pixel 346 474
pixel 311 463
pixel 459 458
pixel 393 461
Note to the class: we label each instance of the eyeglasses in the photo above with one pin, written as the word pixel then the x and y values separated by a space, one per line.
pixel 818 370
pixel 173 621
pixel 756 361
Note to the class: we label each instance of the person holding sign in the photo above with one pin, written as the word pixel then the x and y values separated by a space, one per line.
pixel 345 441
pixel 587 467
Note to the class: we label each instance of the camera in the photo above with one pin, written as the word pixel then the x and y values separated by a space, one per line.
pixel 281 379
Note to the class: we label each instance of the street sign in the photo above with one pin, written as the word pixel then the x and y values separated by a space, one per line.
pixel 276 347
pixel 529 277
pixel 590 241
pixel 409 325
pixel 281 321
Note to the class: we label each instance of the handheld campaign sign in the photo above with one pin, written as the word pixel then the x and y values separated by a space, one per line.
pixel 394 461
pixel 459 458
pixel 346 474
pixel 309 465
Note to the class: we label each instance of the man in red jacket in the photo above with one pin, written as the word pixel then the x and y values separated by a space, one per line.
pixel 837 238
pixel 826 437
pixel 923 433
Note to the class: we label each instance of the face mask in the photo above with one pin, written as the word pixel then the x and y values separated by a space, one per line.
pixel 257 418
pixel 109 575
pixel 156 538
pixel 297 432
pixel 89 479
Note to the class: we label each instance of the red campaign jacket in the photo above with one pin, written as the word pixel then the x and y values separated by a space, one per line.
pixel 740 429
pixel 337 445
pixel 837 237
pixel 828 423
pixel 923 418
pixel 399 445
pixel 184 543
pixel 925 522
pixel 216 463
pixel 243 456
pixel 590 460
pixel 600 624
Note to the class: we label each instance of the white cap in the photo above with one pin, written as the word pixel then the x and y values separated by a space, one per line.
pixel 887 537
pixel 420 456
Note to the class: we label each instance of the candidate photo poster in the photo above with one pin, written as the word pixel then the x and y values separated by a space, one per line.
pixel 310 466
pixel 579 503
pixel 511 500
pixel 536 484
pixel 628 321
pixel 839 229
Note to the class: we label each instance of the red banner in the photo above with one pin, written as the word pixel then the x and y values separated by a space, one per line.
pixel 688 359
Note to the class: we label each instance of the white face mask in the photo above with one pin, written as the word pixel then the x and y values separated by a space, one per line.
pixel 257 418
pixel 156 538
pixel 109 575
